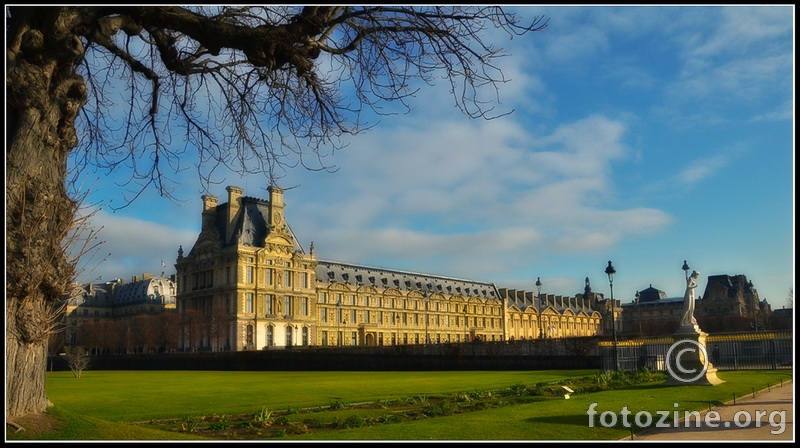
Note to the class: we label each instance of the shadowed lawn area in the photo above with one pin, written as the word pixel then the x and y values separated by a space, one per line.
pixel 101 404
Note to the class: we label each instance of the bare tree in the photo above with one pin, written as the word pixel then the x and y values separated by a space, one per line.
pixel 77 359
pixel 167 331
pixel 256 89
pixel 193 324
pixel 218 327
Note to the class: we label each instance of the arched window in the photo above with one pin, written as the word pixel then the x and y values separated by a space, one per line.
pixel 288 335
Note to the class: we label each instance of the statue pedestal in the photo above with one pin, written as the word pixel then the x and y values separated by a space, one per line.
pixel 687 363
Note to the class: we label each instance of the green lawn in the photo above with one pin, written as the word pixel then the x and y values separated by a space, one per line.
pixel 101 404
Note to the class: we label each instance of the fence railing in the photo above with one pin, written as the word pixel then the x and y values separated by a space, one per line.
pixel 731 351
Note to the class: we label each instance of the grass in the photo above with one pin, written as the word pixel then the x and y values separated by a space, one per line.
pixel 102 404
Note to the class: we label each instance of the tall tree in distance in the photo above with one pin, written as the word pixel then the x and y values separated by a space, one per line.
pixel 151 89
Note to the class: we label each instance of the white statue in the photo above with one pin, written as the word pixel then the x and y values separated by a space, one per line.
pixel 687 316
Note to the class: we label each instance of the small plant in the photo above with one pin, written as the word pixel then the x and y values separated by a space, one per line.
pixel 337 406
pixel 189 424
pixel 264 417
pixel 354 421
pixel 219 426
pixel 282 420
pixel 518 390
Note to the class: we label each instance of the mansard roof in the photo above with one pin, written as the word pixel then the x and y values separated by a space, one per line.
pixel 162 288
pixel 250 227
pixel 355 275
pixel 651 295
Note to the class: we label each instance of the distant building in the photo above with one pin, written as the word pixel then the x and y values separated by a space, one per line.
pixel 115 299
pixel 729 303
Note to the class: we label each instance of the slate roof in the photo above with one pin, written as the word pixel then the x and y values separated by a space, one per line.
pixel 354 275
pixel 651 295
pixel 251 225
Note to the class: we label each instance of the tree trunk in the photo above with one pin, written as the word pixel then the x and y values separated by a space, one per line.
pixel 43 96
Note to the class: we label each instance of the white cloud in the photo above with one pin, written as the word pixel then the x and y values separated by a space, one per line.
pixel 133 246
pixel 472 198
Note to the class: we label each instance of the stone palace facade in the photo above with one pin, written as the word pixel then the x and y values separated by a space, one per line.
pixel 249 284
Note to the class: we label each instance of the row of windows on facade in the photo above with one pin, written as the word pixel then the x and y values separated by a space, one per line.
pixel 407 338
pixel 394 318
pixel 416 304
pixel 205 279
pixel 74 322
pixel 274 307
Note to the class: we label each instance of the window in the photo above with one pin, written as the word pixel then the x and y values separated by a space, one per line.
pixel 287 278
pixel 270 336
pixel 268 304
pixel 248 303
pixel 324 337
pixel 287 305
pixel 304 279
pixel 249 274
pixel 289 336
pixel 270 274
pixel 366 317
pixel 352 299
pixel 305 335
pixel 305 306
pixel 354 338
pixel 323 297
pixel 323 315
pixel 353 316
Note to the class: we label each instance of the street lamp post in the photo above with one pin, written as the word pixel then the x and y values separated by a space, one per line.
pixel 754 305
pixel 541 306
pixel 638 314
pixel 338 322
pixel 425 300
pixel 466 325
pixel 610 271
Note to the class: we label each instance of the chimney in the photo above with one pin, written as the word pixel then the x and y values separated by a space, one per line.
pixel 234 204
pixel 209 211
pixel 275 206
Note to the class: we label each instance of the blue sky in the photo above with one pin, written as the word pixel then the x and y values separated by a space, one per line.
pixel 642 135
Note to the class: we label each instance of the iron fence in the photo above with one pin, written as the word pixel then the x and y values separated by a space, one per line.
pixel 732 351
